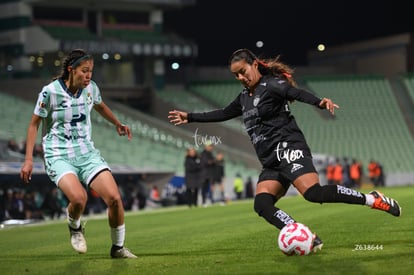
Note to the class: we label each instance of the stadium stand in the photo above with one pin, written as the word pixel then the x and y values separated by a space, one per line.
pixel 151 148
pixel 368 125
pixel 134 35
pixel 17 115
pixel 69 32
pixel 219 93
pixel 408 80
pixel 199 99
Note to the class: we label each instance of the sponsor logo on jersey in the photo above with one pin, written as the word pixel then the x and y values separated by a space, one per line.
pixel 288 154
pixel 63 104
pixel 251 113
pixel 256 101
pixel 77 118
pixel 296 167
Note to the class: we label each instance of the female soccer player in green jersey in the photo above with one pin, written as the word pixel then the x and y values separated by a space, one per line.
pixel 72 162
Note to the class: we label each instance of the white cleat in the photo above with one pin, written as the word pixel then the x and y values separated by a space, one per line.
pixel 122 252
pixel 78 240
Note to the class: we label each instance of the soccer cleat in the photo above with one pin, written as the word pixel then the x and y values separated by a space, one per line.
pixel 317 244
pixel 385 204
pixel 77 239
pixel 123 252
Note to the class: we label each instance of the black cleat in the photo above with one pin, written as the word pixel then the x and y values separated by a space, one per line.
pixel 317 244
pixel 386 204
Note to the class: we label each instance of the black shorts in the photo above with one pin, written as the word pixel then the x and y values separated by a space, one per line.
pixel 286 172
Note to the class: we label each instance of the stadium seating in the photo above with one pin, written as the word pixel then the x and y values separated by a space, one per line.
pixel 150 148
pixel 79 32
pixel 16 115
pixel 220 93
pixel 368 125
pixel 198 99
pixel 408 81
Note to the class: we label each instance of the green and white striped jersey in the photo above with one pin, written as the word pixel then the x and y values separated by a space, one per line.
pixel 67 128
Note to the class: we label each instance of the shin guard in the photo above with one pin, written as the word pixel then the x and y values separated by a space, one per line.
pixel 264 205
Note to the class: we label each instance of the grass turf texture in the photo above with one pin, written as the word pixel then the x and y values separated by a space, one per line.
pixel 223 240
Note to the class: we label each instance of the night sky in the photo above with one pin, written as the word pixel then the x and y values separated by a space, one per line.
pixel 287 28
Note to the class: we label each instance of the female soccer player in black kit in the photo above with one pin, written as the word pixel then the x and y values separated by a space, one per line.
pixel 279 143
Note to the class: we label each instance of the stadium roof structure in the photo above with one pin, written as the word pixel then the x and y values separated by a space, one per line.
pixel 129 4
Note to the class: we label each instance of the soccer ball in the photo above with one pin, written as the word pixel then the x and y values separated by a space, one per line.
pixel 295 239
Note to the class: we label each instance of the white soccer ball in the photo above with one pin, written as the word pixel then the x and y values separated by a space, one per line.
pixel 295 239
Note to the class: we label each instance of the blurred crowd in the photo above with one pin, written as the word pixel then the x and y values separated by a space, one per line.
pixel 205 179
pixel 19 203
pixel 32 203
pixel 351 173
pixel 20 148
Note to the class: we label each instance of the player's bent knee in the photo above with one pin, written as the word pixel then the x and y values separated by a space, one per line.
pixel 263 201
pixel 314 193
pixel 114 202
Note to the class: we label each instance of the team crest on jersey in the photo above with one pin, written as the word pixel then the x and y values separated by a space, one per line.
pixel 89 99
pixel 256 101
pixel 42 104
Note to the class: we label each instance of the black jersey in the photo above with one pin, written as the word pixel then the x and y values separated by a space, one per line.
pixel 267 118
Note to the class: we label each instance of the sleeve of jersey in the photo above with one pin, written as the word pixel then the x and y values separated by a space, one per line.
pixel 97 99
pixel 42 105
pixel 230 111
pixel 302 96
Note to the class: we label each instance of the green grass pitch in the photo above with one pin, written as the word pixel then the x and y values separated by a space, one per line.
pixel 229 239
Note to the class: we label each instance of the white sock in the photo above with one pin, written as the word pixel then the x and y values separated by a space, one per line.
pixel 369 199
pixel 118 235
pixel 73 223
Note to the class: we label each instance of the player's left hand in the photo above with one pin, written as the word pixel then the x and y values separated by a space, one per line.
pixel 123 130
pixel 328 104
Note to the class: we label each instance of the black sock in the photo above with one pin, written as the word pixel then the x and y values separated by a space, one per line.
pixel 264 206
pixel 333 193
pixel 115 247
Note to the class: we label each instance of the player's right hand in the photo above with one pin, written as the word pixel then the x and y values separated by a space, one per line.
pixel 26 171
pixel 178 117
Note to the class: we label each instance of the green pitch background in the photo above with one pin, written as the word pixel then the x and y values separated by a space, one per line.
pixel 229 239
